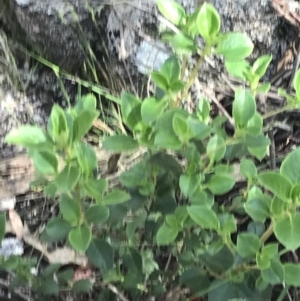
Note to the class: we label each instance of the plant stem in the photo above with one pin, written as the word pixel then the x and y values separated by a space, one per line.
pixel 275 112
pixel 267 233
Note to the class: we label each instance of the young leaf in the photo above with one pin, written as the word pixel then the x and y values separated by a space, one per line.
pixel 80 238
pixel 275 273
pixel 237 68
pixel 120 143
pixel 286 229
pixel 70 209
pixel 235 47
pixel 254 125
pixel 183 43
pixel 166 235
pixel 116 197
pixel 86 158
pixel 180 127
pixel 261 64
pixel 203 216
pixel 128 103
pixel 97 214
pixel 220 184
pixel 203 110
pixel 208 21
pixel 276 183
pixel 244 107
pixel 160 80
pixel 45 162
pixel 248 244
pixel 171 10
pixel 152 109
pixel 27 136
pixel 86 102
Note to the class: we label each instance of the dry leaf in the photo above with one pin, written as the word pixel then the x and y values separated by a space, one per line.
pixel 16 223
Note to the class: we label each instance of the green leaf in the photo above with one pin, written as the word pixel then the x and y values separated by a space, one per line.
pixel 188 184
pixel 203 110
pixel 198 129
pixel 116 197
pixel 101 255
pixel 248 244
pixel 203 216
pixel 184 43
pixel 171 69
pixel 120 143
pixel 257 209
pixel 208 21
pixel 244 107
pixel 264 88
pixel 274 274
pixel 57 229
pixel 82 286
pixel 235 47
pixel 277 184
pixel 181 127
pixel 216 148
pixel 220 184
pixel 171 10
pixel 27 136
pixel 261 64
pixel 296 82
pixel 96 188
pixel 237 68
pixel 128 103
pixel 291 165
pixel 227 223
pixel 45 162
pixel 159 80
pixel 67 179
pixel 254 125
pixel 2 225
pixel 70 209
pixel 278 206
pixel 57 126
pixel 248 169
pixel 83 123
pixel 97 214
pixel 152 109
pixel 48 287
pixel 292 274
pixel 286 229
pixel 86 102
pixel 80 238
pixel 176 86
pixel 166 235
pixel 86 158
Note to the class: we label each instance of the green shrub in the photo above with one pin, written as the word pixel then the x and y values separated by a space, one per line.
pixel 180 234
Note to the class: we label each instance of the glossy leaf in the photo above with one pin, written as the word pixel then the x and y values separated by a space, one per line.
pixel 203 216
pixel 80 238
pixel 120 143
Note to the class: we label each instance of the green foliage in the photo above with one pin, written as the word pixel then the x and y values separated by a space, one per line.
pixel 175 198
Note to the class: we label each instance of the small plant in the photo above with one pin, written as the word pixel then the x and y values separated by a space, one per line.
pixel 180 233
